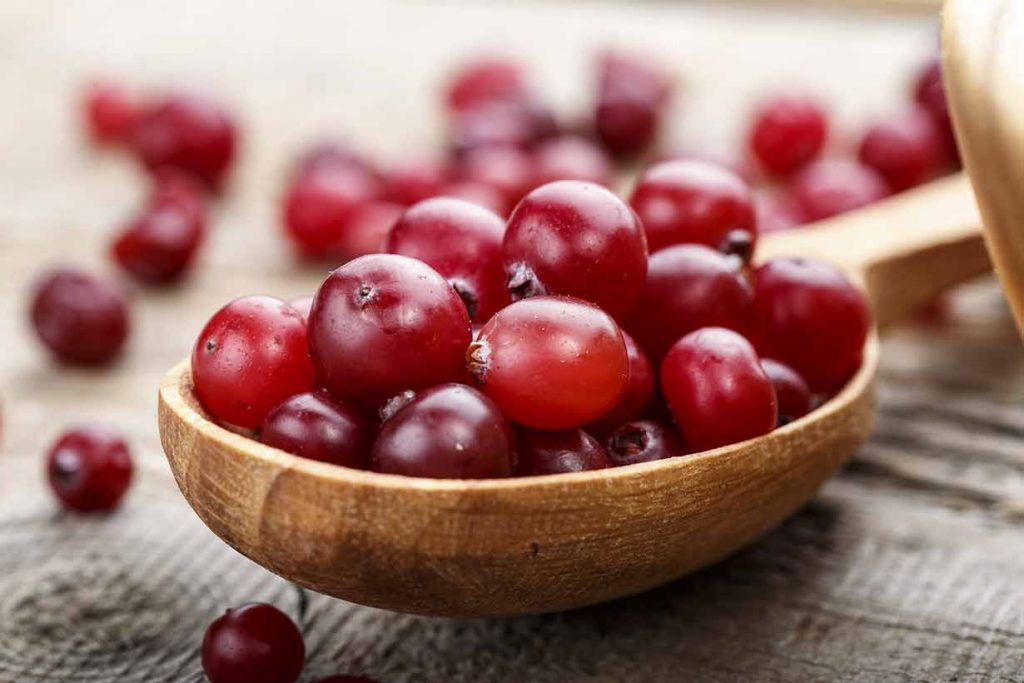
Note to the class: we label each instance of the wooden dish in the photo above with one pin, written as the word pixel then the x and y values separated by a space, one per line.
pixel 539 544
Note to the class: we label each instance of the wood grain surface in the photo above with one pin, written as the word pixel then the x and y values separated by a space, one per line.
pixel 909 566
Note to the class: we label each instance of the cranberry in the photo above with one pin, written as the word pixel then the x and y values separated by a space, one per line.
pixel 331 153
pixel 366 231
pixel 906 149
pixel 159 245
pixel 172 185
pixel 643 441
pixel 319 205
pixel 462 241
pixel 478 193
pixel 89 469
pixel 693 202
pixel 254 643
pixel 315 426
pixel 507 169
pixel 717 390
pixel 690 286
pixel 110 111
pixel 791 391
pixel 930 93
pixel 631 99
pixel 302 304
pixel 637 396
pixel 189 132
pixel 451 431
pixel 414 180
pixel 572 158
pixel 777 212
pixel 249 357
pixel 486 80
pixel 578 239
pixel 811 318
pixel 834 186
pixel 501 124
pixel 571 450
pixel 81 318
pixel 385 323
pixel 551 362
pixel 787 133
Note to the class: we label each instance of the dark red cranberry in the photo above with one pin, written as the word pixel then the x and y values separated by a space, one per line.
pixel 313 425
pixel 187 131
pixel 478 193
pixel 551 362
pixel 484 80
pixel 89 469
pixel 791 391
pixel 812 319
pixel 508 170
pixel 249 357
pixel 690 286
pixel 254 643
pixel 570 450
pixel 577 239
pixel 366 231
pixel 694 202
pixel 907 149
pixel 159 245
pixel 414 179
pixel 81 318
pixel 462 241
pixel 777 212
pixel 637 396
pixel 110 111
pixel 643 441
pixel 717 390
pixel 332 153
pixel 833 186
pixel 631 99
pixel 572 158
pixel 319 205
pixel 385 323
pixel 930 93
pixel 302 304
pixel 787 133
pixel 451 431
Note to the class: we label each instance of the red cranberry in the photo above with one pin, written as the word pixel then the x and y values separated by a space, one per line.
pixel 189 132
pixel 172 185
pixel 462 241
pixel 81 318
pixel 315 426
pixel 89 469
pixel 631 100
pixel 415 179
pixel 777 212
pixel 906 149
pixel 830 187
pixel 159 245
pixel 507 169
pixel 478 193
pixel 302 304
pixel 572 158
pixel 366 231
pixel 637 396
pixel 643 441
pixel 319 205
pixel 787 133
pixel 331 153
pixel 551 362
pixel 254 643
pixel 571 450
pixel 812 319
pixel 249 357
pixel 486 80
pixel 693 202
pixel 688 287
pixel 110 111
pixel 577 239
pixel 930 93
pixel 618 71
pixel 791 391
pixel 717 390
pixel 385 323
pixel 451 431
pixel 501 124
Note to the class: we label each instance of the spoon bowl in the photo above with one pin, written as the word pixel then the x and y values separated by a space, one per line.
pixel 540 544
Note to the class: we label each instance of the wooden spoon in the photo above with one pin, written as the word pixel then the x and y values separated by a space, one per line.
pixel 983 67
pixel 539 544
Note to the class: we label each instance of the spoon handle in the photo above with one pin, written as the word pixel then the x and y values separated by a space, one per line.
pixel 905 250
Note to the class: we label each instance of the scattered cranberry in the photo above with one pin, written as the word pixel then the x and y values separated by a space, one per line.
pixel 189 132
pixel 414 180
pixel 787 133
pixel 833 186
pixel 302 304
pixel 451 431
pixel 385 323
pixel 777 212
pixel 367 228
pixel 159 245
pixel 249 357
pixel 690 286
pixel 643 441
pixel 478 193
pixel 717 390
pixel 551 362
pixel 320 203
pixel 81 318
pixel 486 80
pixel 694 202
pixel 507 169
pixel 110 111
pixel 577 239
pixel 254 643
pixel 907 149
pixel 572 158
pixel 637 396
pixel 631 99
pixel 315 426
pixel 571 450
pixel 930 93
pixel 89 469
pixel 462 241
pixel 791 391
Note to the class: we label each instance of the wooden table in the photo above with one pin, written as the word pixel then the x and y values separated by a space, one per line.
pixel 907 566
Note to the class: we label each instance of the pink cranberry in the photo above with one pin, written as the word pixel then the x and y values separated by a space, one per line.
pixel 834 186
pixel 486 80
pixel 172 185
pixel 110 112
pixel 319 205
pixel 508 170
pixel 572 158
pixel 501 124
pixel 777 212
pixel 89 469
pixel 254 643
pixel 907 149
pixel 571 450
pixel 332 152
pixel 787 133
